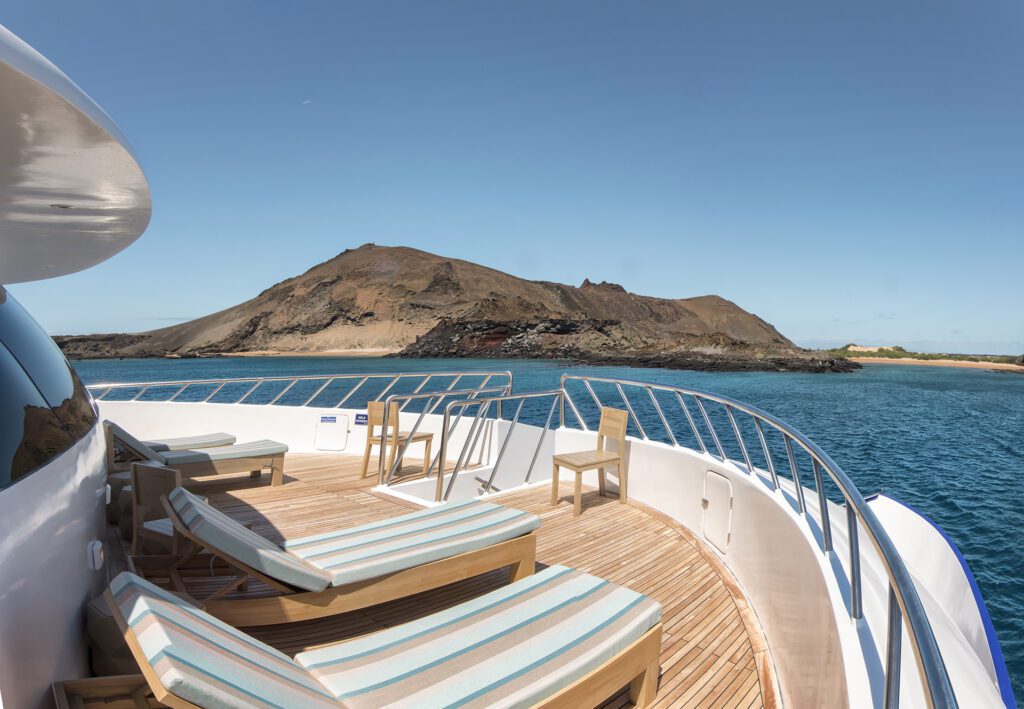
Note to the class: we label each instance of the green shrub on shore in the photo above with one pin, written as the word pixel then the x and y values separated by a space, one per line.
pixel 897 352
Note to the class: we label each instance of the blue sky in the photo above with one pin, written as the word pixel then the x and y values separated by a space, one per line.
pixel 847 171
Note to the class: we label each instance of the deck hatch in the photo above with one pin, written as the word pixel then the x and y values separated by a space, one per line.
pixel 717 504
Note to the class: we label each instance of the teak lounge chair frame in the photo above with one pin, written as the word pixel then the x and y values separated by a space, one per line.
pixel 637 666
pixel 294 604
pixel 254 465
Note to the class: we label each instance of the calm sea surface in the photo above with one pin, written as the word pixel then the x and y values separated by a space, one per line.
pixel 948 442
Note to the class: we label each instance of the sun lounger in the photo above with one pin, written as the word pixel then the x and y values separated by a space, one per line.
pixel 184 443
pixel 221 459
pixel 557 638
pixel 345 569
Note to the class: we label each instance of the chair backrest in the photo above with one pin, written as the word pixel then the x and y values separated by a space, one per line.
pixel 150 482
pixel 243 547
pixel 116 435
pixel 613 426
pixel 186 654
pixel 375 418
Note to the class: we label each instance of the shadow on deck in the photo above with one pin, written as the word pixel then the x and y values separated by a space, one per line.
pixel 713 652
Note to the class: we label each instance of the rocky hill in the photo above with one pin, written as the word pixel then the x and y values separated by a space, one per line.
pixel 413 303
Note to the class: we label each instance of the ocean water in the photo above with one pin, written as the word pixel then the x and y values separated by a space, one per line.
pixel 948 442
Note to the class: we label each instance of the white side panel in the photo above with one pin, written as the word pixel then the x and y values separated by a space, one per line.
pixel 717 503
pixel 46 523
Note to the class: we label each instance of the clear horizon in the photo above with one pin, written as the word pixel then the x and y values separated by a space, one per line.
pixel 847 173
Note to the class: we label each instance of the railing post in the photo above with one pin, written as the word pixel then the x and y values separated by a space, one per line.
pixel 632 414
pixel 504 444
pixel 474 428
pixel 317 392
pixel 711 428
pixel 661 415
pixel 593 395
pixel 767 453
pixel 826 525
pixel 442 455
pixel 800 502
pixel 893 653
pixel 739 439
pixel 351 392
pixel 856 610
pixel 253 388
pixel 567 399
pixel 693 424
pixel 540 443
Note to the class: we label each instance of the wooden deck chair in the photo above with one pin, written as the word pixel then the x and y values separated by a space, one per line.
pixel 253 457
pixel 150 483
pixel 116 444
pixel 612 428
pixel 342 570
pixel 396 437
pixel 560 638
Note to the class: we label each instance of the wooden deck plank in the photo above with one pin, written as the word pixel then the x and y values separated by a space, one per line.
pixel 713 653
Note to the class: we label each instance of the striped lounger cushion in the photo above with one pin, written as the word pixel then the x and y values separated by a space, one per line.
pixel 398 543
pixel 511 647
pixel 207 440
pixel 204 661
pixel 252 449
pixel 221 532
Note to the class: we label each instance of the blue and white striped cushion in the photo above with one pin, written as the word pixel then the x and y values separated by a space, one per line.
pixel 253 449
pixel 398 543
pixel 184 443
pixel 512 647
pixel 221 532
pixel 204 661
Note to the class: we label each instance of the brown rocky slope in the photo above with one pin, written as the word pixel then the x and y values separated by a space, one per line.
pixel 418 304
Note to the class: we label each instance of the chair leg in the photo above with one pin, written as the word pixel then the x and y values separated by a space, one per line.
pixel 366 458
pixel 644 688
pixel 554 484
pixel 577 495
pixel 524 567
pixel 623 483
pixel 426 456
pixel 277 472
pixel 600 481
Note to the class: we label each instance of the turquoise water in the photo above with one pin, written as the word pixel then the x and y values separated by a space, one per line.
pixel 948 442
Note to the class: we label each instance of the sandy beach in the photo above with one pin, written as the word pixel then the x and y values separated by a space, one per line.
pixel 358 352
pixel 942 363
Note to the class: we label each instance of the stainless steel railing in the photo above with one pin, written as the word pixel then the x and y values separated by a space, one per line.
pixel 246 390
pixel 433 401
pixel 905 608
pixel 485 406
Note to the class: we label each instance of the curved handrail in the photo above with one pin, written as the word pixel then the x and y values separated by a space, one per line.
pixel 256 382
pixel 429 408
pixel 484 403
pixel 904 601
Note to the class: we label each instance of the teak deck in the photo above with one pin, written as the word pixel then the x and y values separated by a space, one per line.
pixel 713 652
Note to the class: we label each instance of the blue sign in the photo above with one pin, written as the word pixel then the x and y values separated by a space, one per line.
pixel 328 419
pixel 360 419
